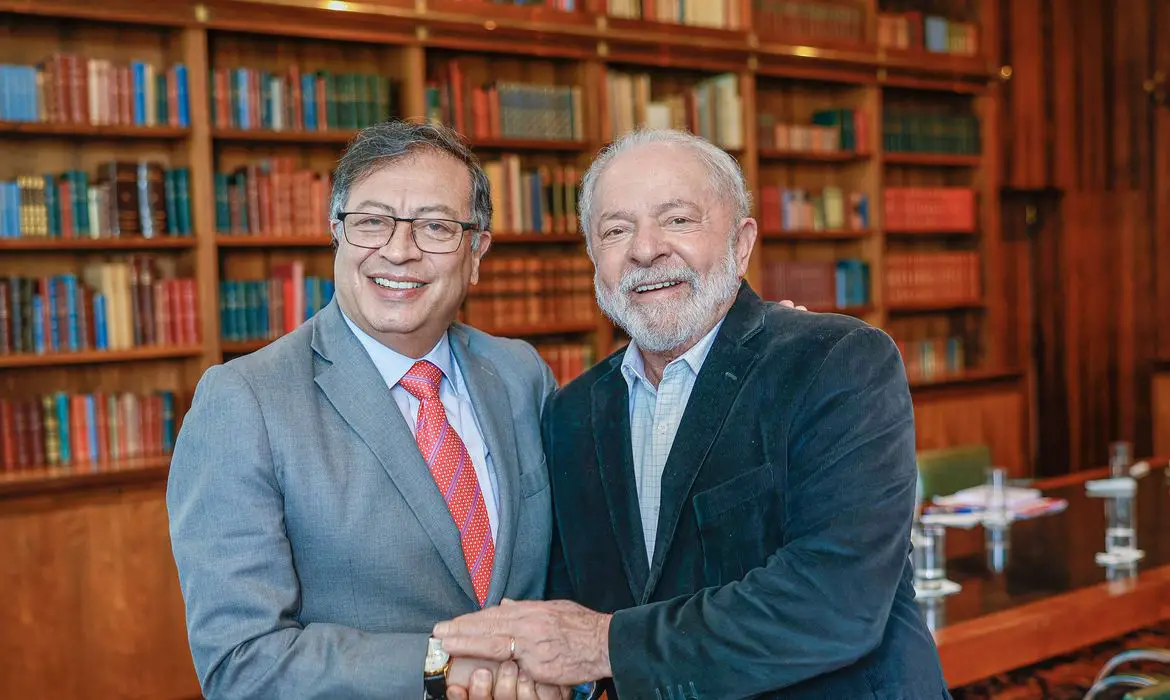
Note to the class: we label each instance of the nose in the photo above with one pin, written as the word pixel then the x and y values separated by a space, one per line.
pixel 401 247
pixel 648 244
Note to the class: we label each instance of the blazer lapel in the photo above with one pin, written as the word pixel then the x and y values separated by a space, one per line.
pixel 615 458
pixel 356 389
pixel 493 412
pixel 716 387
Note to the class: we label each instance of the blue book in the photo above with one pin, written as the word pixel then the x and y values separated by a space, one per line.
pixel 841 284
pixel 138 75
pixel 937 35
pixel 184 106
pixel 5 100
pixel 168 421
pixel 91 427
pixel 309 101
pixel 63 426
pixel 537 200
pixel 265 309
pixel 170 201
pixel 54 321
pixel 326 292
pixel 5 218
pixel 101 337
pixel 242 112
pixel 38 324
pixel 71 295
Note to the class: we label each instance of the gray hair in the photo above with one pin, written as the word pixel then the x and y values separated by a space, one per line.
pixel 726 175
pixel 391 141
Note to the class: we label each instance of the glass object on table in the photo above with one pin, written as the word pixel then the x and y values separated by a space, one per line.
pixel 997 520
pixel 1121 546
pixel 934 612
pixel 1120 458
pixel 929 557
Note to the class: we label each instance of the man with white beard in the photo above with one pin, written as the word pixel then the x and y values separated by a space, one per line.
pixel 733 492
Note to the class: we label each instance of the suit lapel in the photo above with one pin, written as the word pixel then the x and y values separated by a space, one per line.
pixel 353 385
pixel 493 412
pixel 716 387
pixel 615 458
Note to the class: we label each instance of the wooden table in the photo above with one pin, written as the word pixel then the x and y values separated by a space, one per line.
pixel 1052 597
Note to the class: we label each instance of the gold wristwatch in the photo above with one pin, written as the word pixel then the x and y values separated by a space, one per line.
pixel 435 669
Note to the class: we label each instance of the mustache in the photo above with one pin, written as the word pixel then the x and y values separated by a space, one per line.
pixel 640 276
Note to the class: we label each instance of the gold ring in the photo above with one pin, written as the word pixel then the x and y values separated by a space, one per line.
pixel 512 649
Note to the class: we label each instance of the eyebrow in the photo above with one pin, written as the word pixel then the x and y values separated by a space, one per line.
pixel 427 209
pixel 623 214
pixel 675 204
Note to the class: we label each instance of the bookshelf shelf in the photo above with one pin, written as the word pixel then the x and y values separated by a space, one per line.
pixel 505 238
pixel 935 307
pixel 778 155
pixel 288 137
pixel 857 311
pixel 545 145
pixel 929 233
pixel 84 477
pixel 88 131
pixel 77 245
pixel 95 357
pixel 968 378
pixel 816 236
pixel 540 329
pixel 224 241
pixel 242 347
pixel 933 160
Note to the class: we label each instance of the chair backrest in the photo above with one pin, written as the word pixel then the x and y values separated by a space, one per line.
pixel 1155 692
pixel 944 471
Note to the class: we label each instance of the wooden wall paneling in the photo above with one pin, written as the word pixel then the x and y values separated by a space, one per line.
pixel 1062 73
pixel 93 607
pixel 1025 132
pixel 994 415
pixel 1160 410
pixel 195 54
pixel 750 162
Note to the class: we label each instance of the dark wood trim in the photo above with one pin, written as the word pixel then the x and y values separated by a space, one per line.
pixel 84 477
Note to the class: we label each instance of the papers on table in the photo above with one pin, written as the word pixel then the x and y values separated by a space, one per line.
pixel 967 508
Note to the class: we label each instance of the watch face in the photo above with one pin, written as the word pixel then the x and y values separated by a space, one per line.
pixel 436 657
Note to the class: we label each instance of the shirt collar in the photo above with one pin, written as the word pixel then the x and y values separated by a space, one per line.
pixel 634 366
pixel 394 365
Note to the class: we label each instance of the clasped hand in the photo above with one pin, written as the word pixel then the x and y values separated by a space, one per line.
pixel 550 646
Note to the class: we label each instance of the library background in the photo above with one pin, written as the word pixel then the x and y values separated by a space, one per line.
pixel 986 180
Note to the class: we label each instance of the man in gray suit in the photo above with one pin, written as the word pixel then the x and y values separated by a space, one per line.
pixel 375 471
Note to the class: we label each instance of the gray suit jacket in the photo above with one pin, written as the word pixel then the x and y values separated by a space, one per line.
pixel 314 551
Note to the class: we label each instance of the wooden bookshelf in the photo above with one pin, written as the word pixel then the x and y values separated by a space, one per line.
pixel 402 40
pixel 907 233
pixel 858 311
pixel 87 131
pixel 967 379
pixel 98 357
pixel 78 245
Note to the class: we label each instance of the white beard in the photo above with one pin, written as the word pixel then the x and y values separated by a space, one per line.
pixel 665 325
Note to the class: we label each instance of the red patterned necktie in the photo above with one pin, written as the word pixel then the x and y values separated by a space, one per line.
pixel 447 458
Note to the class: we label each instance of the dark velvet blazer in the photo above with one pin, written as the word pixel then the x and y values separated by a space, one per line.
pixel 781 568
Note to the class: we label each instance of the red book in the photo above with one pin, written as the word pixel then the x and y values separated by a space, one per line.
pixel 8 436
pixel 190 312
pixel 34 421
pixel 102 416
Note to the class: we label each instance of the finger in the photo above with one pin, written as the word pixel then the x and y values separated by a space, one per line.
pixel 494 648
pixel 551 692
pixel 506 681
pixel 481 685
pixel 483 622
pixel 802 308
pixel 526 688
pixel 455 692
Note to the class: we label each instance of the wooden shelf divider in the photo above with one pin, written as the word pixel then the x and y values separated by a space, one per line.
pixel 97 357
pixel 80 245
pixel 89 131
pixel 817 236
pixel 263 241
pixel 84 477
pixel 772 154
pixel 939 160
pixel 339 136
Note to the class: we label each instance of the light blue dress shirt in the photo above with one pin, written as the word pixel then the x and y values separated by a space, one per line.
pixel 655 414
pixel 456 400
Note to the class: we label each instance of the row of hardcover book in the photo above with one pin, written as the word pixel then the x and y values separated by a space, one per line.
pixel 113 306
pixel 125 199
pixel 929 209
pixel 824 284
pixel 802 21
pixel 831 209
pixel 717 14
pixel 518 290
pixel 63 430
pixel 933 358
pixel 906 131
pixel 271 197
pixel 267 309
pixel 933 278
pixel 831 131
pixel 538 200
pixel 566 360
pixel 504 109
pixel 711 108
pixel 296 100
pixel 915 31
pixel 67 88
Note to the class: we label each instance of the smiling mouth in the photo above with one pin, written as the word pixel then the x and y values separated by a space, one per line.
pixel 643 288
pixel 396 284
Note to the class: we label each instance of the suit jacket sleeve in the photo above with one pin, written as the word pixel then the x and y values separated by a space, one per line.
pixel 821 602
pixel 558 586
pixel 237 573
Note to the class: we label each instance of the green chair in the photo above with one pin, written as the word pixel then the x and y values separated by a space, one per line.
pixel 945 471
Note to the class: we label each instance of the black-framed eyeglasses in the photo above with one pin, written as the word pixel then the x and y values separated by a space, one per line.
pixel 370 230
